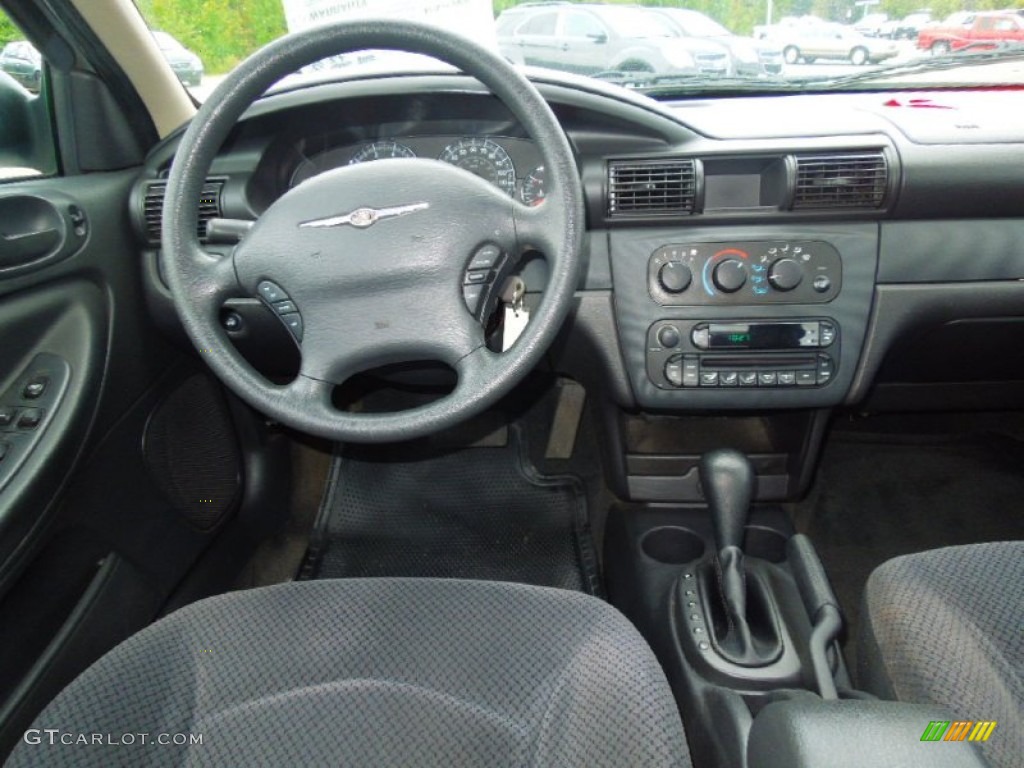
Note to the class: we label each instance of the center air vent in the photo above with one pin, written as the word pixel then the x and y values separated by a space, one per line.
pixel 658 187
pixel 153 207
pixel 847 180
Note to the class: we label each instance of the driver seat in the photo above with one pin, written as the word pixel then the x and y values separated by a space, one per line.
pixel 373 672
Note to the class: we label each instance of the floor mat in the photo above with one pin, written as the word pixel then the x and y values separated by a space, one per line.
pixel 472 513
pixel 880 496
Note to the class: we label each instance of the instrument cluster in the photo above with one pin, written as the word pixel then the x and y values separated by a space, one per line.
pixel 511 164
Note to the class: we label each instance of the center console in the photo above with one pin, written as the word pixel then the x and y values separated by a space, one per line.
pixel 765 317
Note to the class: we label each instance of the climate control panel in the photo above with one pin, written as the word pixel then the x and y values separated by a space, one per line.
pixel 745 273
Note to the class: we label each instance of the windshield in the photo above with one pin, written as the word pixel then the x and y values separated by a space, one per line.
pixel 712 46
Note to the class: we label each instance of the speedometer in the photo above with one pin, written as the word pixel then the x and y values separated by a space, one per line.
pixel 486 158
pixel 381 150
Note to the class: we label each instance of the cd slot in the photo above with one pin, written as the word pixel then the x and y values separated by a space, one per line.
pixel 758 361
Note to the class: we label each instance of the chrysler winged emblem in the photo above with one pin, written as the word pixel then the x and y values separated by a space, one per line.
pixel 366 217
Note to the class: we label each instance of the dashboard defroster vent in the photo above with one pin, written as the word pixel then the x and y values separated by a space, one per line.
pixel 652 187
pixel 153 207
pixel 842 180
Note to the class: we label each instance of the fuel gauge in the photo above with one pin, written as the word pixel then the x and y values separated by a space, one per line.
pixel 533 189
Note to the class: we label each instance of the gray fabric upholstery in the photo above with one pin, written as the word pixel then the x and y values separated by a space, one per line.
pixel 946 627
pixel 377 672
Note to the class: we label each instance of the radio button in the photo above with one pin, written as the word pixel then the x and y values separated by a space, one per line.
pixel 674 277
pixel 709 379
pixel 805 378
pixel 787 378
pixel 728 379
pixel 730 275
pixel 767 378
pixel 691 371
pixel 748 378
pixel 701 337
pixel 668 336
pixel 674 371
pixel 826 333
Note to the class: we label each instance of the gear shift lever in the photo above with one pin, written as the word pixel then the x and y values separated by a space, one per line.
pixel 728 482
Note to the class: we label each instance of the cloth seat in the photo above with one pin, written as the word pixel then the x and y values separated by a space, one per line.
pixel 946 627
pixel 374 672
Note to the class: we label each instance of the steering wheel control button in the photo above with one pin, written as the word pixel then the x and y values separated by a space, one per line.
pixel 271 292
pixel 473 295
pixel 475 276
pixel 675 277
pixel 30 418
pixel 294 322
pixel 232 322
pixel 821 283
pixel 6 415
pixel 285 307
pixel 730 275
pixel 486 257
pixel 785 274
pixel 35 388
pixel 668 337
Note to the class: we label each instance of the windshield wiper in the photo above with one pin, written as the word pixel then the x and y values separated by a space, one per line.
pixel 1005 50
pixel 684 85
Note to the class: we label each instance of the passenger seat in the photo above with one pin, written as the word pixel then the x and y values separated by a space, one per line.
pixel 946 627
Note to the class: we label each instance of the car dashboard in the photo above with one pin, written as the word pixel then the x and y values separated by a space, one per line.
pixel 742 254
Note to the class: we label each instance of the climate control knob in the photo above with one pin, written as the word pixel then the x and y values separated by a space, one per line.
pixel 785 274
pixel 730 275
pixel 674 277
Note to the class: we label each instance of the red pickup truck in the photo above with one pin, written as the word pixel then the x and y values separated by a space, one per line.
pixel 985 28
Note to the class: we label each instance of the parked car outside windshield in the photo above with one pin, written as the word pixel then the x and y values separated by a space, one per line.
pixel 749 57
pixel 661 51
pixel 22 61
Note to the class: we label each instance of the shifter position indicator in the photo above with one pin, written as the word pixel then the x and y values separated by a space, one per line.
pixel 745 273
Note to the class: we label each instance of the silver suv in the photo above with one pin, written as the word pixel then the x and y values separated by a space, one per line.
pixel 604 40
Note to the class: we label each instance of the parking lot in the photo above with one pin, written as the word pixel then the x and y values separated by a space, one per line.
pixel 1012 71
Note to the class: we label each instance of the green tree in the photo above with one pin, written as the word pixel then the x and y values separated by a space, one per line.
pixel 222 32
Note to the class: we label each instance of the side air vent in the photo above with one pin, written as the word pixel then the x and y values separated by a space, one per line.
pixel 653 187
pixel 847 180
pixel 153 207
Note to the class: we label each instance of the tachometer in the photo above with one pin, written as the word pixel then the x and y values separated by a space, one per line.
pixel 381 150
pixel 533 189
pixel 486 158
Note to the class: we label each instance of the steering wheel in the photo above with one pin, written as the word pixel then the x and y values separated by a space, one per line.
pixel 373 257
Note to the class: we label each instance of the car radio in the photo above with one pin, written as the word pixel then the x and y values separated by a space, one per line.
pixel 742 353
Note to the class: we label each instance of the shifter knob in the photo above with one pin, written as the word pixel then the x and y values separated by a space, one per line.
pixel 728 482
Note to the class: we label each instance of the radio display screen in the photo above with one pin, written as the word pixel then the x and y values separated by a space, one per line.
pixel 760 335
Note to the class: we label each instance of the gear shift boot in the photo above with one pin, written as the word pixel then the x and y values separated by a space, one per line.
pixel 745 630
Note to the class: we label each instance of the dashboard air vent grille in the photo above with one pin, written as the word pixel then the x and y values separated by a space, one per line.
pixel 153 207
pixel 847 180
pixel 651 187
